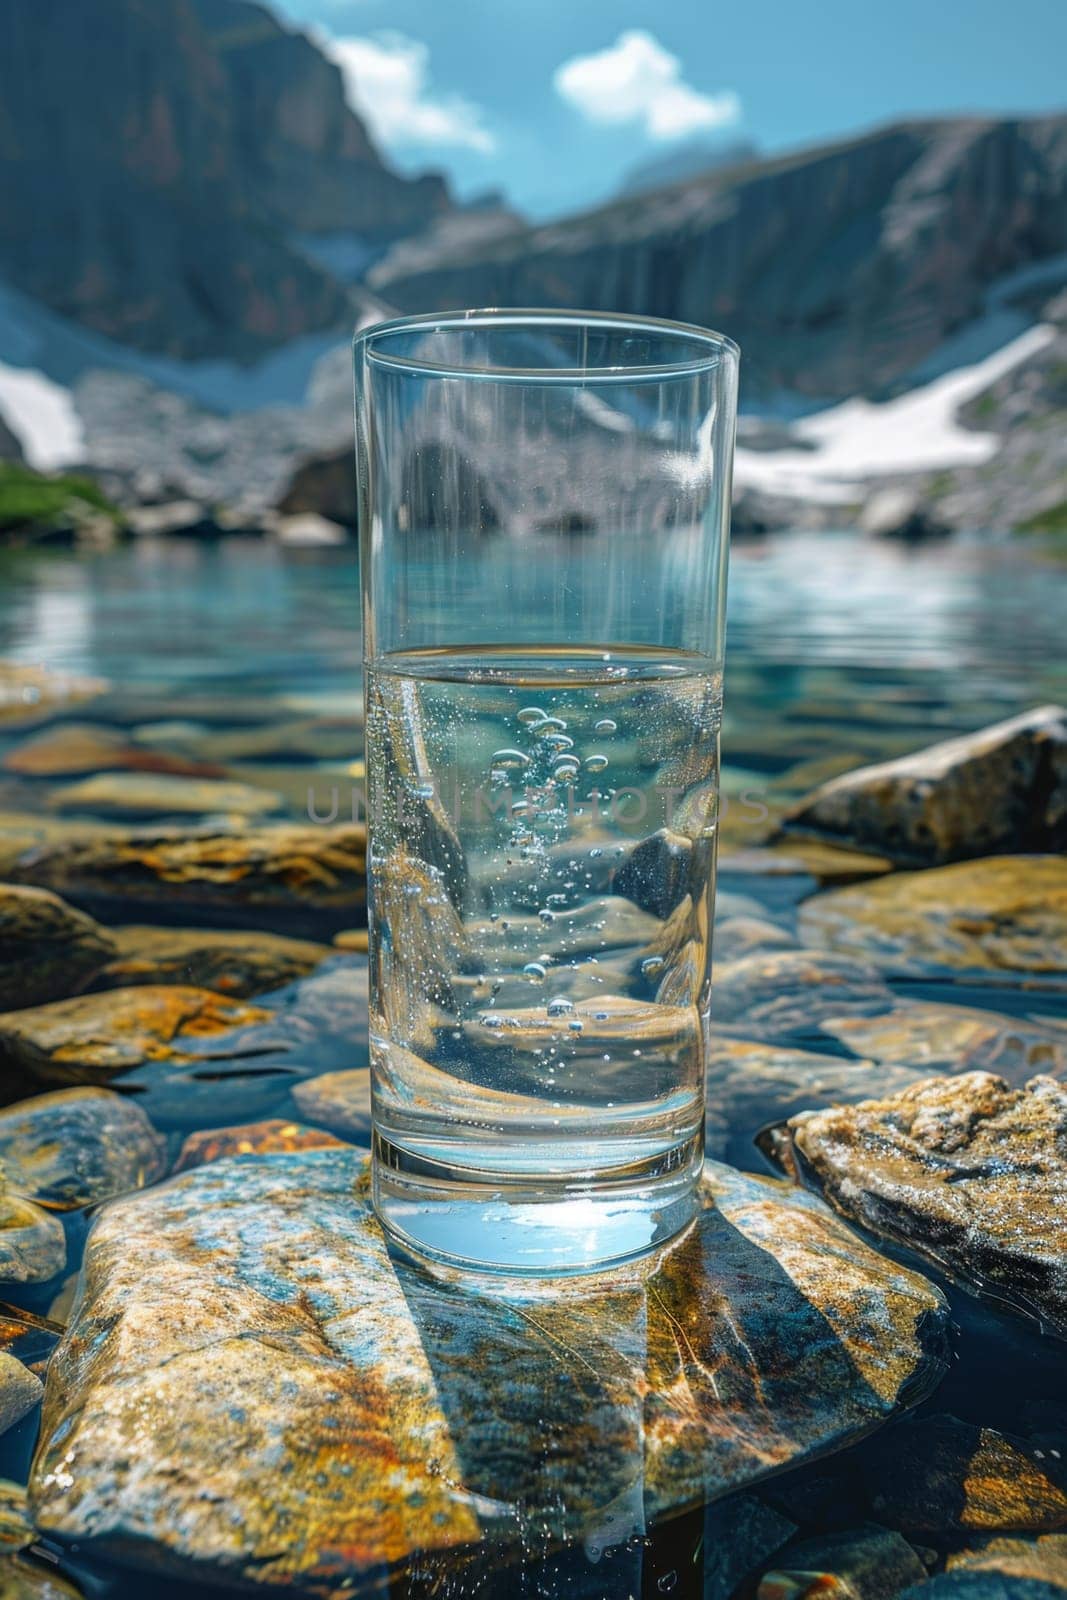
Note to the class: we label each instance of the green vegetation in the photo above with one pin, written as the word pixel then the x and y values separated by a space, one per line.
pixel 28 497
pixel 1052 520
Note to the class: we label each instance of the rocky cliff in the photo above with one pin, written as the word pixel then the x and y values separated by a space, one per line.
pixel 158 157
pixel 838 270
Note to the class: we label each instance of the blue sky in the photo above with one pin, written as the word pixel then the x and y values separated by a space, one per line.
pixel 554 100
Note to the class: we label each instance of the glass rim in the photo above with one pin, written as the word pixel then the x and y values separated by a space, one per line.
pixel 711 346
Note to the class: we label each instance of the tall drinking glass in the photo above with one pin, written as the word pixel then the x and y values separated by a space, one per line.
pixel 544 504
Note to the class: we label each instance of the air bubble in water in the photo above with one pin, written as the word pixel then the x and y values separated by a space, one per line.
pixel 667 1582
pixel 491 1019
pixel 509 760
pixel 651 966
pixel 595 763
pixel 532 716
pixel 546 916
pixel 576 1025
pixel 605 725
pixel 565 767
pixel 560 1006
pixel 558 741
pixel 534 971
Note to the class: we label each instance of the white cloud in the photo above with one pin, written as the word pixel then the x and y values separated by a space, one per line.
pixel 637 80
pixel 387 82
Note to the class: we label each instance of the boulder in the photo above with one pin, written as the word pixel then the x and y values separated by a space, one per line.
pixel 226 960
pixel 901 514
pixel 286 878
pixel 1003 788
pixel 47 949
pixel 963 1170
pixel 33 1246
pixel 780 993
pixel 382 1420
pixel 78 1146
pixel 1004 919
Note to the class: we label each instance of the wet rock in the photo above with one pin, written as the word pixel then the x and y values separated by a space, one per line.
pixel 253 1138
pixel 229 962
pixel 331 1005
pixel 739 1534
pixel 137 794
pixel 28 693
pixel 22 1579
pixel 813 861
pixel 20 1390
pixel 28 1336
pixel 867 1563
pixel 940 1476
pixel 1003 788
pixel 72 749
pixel 661 870
pixel 381 1418
pixel 1005 916
pixel 94 1038
pixel 339 1099
pixel 47 949
pixel 33 1246
pixel 779 993
pixel 964 1170
pixel 931 1037
pixel 285 878
pixel 1036 1560
pixel 752 1083
pixel 78 1146
pixel 737 937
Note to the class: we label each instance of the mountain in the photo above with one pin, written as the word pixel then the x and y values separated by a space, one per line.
pixel 690 159
pixel 164 162
pixel 838 270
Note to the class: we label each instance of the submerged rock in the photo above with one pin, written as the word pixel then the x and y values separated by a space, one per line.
pixel 75 749
pixel 737 937
pixel 1005 916
pixel 867 1563
pixel 383 1419
pixel 228 961
pixel 47 949
pixel 340 1099
pixel 1003 788
pixel 941 1476
pixel 33 1246
pixel 149 794
pixel 78 1146
pixel 20 1390
pixel 95 1037
pixel 28 693
pixel 253 1138
pixel 932 1037
pixel 283 878
pixel 775 993
pixel 661 870
pixel 421 946
pixel 964 1170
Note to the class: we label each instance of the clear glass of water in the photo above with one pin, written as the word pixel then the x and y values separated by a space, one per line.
pixel 544 508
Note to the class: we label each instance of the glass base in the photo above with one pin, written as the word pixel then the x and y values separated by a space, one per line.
pixel 533 1226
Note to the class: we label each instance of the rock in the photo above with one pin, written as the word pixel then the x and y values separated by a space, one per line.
pixel 739 1534
pixel 23 1580
pixel 16 1529
pixel 339 1099
pixel 901 514
pixel 609 922
pixel 323 486
pixel 254 1138
pixel 72 749
pixel 779 993
pixel 660 871
pixel 737 937
pixel 965 1171
pixel 227 961
pixel 284 878
pixel 931 1037
pixel 867 1563
pixel 938 1476
pixel 94 1038
pixel 752 1083
pixel 20 1390
pixel 78 1146
pixel 1005 917
pixel 420 948
pixel 308 530
pixel 139 794
pixel 47 949
pixel 33 1246
pixel 29 693
pixel 380 1417
pixel 1003 788
pixel 1039 1560
pixel 353 939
